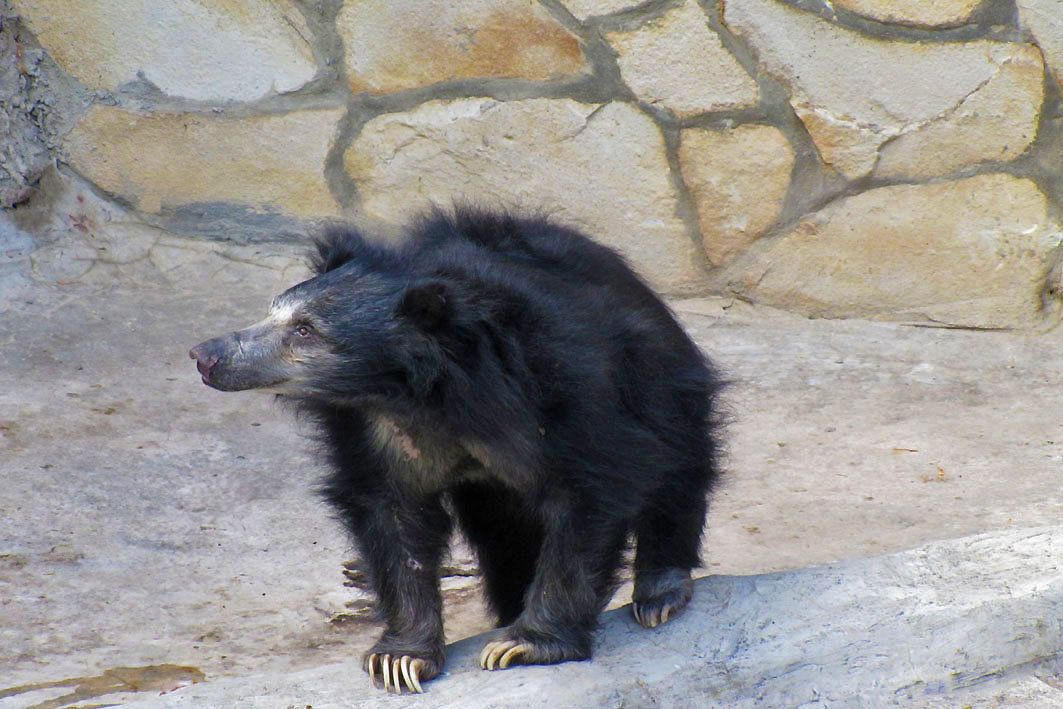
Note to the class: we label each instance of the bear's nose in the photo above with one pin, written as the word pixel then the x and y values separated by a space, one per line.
pixel 206 360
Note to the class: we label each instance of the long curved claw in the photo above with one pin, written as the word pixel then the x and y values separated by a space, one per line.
pixel 492 650
pixel 372 669
pixel 649 617
pixel 404 663
pixel 501 652
pixel 411 671
pixel 395 668
pixel 511 653
pixel 396 671
pixel 415 675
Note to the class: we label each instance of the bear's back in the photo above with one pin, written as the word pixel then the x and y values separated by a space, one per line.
pixel 598 308
pixel 536 242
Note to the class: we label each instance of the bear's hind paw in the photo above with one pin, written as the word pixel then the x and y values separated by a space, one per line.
pixel 669 595
pixel 502 652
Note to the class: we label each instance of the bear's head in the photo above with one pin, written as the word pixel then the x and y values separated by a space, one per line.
pixel 364 326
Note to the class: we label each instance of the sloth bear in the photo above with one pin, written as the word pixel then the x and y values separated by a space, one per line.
pixel 512 377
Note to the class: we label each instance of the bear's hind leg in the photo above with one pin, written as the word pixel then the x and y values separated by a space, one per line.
pixel 574 579
pixel 667 548
pixel 660 595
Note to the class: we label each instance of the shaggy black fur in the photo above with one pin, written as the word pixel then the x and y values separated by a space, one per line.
pixel 514 377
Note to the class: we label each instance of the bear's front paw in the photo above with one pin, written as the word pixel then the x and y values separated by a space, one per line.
pixel 401 669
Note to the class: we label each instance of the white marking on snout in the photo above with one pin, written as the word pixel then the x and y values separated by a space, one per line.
pixel 280 313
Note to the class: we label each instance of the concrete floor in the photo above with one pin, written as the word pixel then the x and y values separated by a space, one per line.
pixel 155 532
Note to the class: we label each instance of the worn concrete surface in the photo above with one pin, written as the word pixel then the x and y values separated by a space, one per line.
pixel 154 532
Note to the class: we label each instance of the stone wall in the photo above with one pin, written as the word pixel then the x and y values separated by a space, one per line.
pixel 898 159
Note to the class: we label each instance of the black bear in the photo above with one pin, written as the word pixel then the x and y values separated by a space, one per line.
pixel 511 376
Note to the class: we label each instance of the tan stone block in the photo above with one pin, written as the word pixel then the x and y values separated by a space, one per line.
pixel 739 179
pixel 157 161
pixel 854 92
pixel 843 143
pixel 679 62
pixel 996 122
pixel 197 49
pixel 973 252
pixel 401 44
pixel 583 9
pixel 600 168
pixel 920 13
pixel 1044 18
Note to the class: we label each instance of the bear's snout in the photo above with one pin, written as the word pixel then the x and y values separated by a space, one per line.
pixel 206 356
pixel 247 359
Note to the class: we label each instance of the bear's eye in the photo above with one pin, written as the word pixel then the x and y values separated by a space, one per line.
pixel 303 331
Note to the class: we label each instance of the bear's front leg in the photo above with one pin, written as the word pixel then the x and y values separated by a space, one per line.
pixel 402 542
pixel 574 578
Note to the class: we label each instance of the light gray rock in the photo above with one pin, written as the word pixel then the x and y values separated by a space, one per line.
pixel 206 49
pixel 24 150
pixel 39 103
pixel 854 92
pixel 997 122
pixel 1045 19
pixel 602 168
pixel 946 624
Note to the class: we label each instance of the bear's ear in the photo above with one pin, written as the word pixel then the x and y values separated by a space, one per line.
pixel 339 245
pixel 426 304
